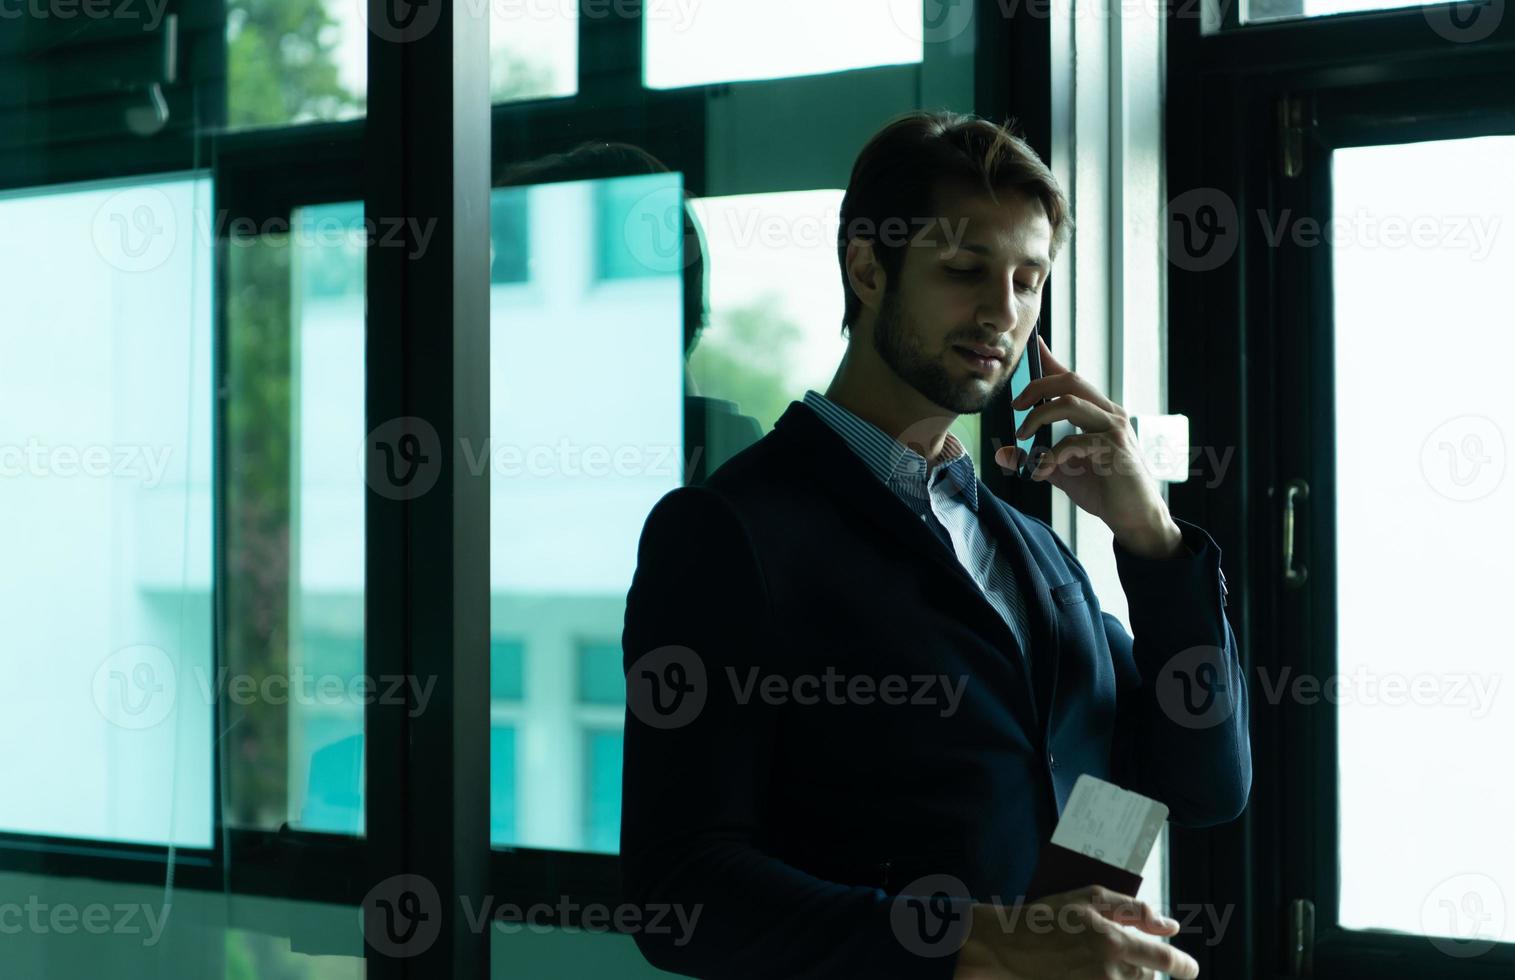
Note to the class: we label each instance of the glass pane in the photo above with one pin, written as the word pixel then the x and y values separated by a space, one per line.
pixel 326 524
pixel 1425 524
pixel 775 308
pixel 507 661
pixel 502 783
pixel 105 511
pixel 1256 11
pixel 295 691
pixel 297 61
pixel 533 50
pixel 735 40
pixel 571 486
pixel 601 678
pixel 602 819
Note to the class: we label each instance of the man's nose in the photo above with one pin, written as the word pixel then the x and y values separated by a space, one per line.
pixel 998 311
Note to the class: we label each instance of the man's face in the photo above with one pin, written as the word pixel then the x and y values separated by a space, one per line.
pixel 973 279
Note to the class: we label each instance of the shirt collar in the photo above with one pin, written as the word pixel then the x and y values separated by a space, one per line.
pixel 891 460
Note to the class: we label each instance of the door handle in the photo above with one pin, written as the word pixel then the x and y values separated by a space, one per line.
pixel 1296 489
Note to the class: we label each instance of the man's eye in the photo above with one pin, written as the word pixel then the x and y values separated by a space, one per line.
pixel 962 272
pixel 1026 287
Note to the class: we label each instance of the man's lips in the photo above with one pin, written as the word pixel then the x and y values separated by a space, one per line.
pixel 982 357
pixel 993 353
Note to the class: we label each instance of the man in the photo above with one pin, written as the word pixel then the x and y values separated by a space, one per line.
pixel 855 676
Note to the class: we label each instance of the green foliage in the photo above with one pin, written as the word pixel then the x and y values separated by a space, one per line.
pixel 282 69
pixel 257 449
pixel 280 64
pixel 745 356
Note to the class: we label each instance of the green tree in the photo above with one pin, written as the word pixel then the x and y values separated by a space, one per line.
pixel 280 64
pixel 745 356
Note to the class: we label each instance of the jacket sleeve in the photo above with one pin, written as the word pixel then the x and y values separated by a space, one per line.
pixel 699 766
pixel 1181 728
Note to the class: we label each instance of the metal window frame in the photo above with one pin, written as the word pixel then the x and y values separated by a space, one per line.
pixel 1361 72
pixel 268 172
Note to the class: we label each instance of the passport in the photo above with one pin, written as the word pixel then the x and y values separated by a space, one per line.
pixel 1104 837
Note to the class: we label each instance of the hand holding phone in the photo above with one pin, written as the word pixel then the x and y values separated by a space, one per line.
pixel 1032 448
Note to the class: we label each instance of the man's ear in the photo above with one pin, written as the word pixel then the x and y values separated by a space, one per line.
pixel 865 273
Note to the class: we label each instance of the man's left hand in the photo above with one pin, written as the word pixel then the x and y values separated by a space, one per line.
pixel 1100 468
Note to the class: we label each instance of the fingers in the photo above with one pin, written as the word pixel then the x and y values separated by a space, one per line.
pixel 1050 364
pixel 1090 445
pixel 1126 946
pixel 1058 380
pixel 1143 952
pixel 1076 409
pixel 1127 910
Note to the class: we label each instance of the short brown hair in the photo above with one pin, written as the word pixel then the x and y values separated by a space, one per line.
pixel 899 170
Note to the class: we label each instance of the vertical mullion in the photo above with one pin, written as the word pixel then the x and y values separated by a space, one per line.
pixel 610 55
pixel 427 521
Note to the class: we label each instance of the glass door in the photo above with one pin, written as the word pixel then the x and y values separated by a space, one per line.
pixel 1394 519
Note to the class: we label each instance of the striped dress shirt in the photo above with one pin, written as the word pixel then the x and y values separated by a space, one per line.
pixel 945 499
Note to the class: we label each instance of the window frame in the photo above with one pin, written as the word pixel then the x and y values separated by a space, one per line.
pixel 267 172
pixel 1354 78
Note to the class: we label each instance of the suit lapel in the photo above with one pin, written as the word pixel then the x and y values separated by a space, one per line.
pixel 843 474
pixel 1002 521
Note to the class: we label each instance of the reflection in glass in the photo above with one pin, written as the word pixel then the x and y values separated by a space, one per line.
pixel 325 775
pixel 587 432
pixel 775 303
pixel 105 511
pixel 299 61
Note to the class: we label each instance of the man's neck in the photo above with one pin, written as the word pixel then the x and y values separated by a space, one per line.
pixel 895 407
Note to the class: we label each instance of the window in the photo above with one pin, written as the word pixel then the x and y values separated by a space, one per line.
pixel 508 222
pixel 602 818
pixel 326 522
pixel 1418 711
pixel 640 226
pixel 586 420
pixel 298 61
pixel 507 660
pixel 105 492
pixel 1257 11
pixel 731 41
pixel 601 679
pixel 775 304
pixel 212 608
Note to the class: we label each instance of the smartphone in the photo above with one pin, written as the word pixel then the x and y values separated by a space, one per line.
pixel 1036 444
pixel 1028 370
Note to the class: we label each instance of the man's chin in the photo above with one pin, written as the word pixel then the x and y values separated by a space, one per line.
pixel 971 398
pixel 975 393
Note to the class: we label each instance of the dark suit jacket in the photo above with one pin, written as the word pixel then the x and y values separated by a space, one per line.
pixel 787 821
